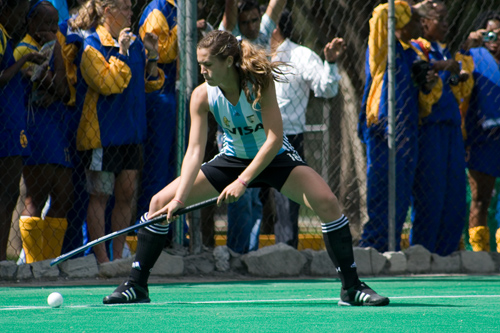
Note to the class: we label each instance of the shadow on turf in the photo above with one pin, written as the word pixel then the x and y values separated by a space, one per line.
pixel 263 281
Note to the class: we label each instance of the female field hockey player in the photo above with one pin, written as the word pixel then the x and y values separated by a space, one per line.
pixel 240 92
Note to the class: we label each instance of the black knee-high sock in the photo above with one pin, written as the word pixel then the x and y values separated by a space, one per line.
pixel 149 247
pixel 338 242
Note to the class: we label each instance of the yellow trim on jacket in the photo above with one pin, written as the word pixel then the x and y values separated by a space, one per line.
pixel 377 43
pixel 69 54
pixel 167 38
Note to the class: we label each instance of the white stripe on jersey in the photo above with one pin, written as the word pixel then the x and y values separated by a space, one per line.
pixel 242 125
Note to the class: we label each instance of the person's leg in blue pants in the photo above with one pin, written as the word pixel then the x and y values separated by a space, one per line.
pixel 497 218
pixel 429 187
pixel 376 230
pixel 439 202
pixel 455 204
pixel 242 216
pixel 159 150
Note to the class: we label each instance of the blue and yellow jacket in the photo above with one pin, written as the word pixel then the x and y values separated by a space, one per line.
pixel 160 18
pixel 447 107
pixel 12 109
pixel 481 110
pixel 71 42
pixel 55 111
pixel 113 92
pixel 410 102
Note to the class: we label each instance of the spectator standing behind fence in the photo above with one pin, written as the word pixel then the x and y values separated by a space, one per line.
pixel 47 171
pixel 439 190
pixel 112 128
pixel 160 18
pixel 240 93
pixel 71 39
pixel 305 72
pixel 481 112
pixel 245 19
pixel 13 139
pixel 373 123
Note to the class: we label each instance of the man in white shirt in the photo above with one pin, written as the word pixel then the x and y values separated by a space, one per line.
pixel 307 72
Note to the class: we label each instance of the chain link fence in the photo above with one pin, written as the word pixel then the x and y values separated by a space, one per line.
pixel 51 200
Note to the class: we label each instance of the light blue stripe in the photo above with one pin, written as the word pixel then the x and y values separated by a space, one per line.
pixel 244 132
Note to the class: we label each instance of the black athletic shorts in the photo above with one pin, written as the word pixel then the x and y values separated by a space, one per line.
pixel 222 170
pixel 114 158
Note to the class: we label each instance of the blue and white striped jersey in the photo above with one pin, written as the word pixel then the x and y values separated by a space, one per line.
pixel 243 130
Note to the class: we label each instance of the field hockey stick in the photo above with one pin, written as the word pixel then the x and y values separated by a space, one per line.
pixel 158 219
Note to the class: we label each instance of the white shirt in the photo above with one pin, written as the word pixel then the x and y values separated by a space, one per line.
pixel 308 73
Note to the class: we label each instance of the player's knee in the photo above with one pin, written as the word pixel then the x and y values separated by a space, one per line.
pixel 156 203
pixel 328 202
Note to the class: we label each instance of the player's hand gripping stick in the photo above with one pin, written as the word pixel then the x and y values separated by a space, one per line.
pixel 158 219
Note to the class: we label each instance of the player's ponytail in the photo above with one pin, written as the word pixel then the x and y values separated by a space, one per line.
pixel 256 70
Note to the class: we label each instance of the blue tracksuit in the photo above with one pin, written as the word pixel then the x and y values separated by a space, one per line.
pixel 375 233
pixel 482 118
pixel 439 195
pixel 13 136
pixel 47 124
pixel 160 17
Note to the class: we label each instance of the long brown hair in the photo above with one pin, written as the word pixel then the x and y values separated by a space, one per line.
pixel 90 14
pixel 253 66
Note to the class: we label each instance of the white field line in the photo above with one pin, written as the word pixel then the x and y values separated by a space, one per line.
pixel 288 300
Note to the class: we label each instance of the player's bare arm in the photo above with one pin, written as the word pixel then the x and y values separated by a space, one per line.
pixel 194 153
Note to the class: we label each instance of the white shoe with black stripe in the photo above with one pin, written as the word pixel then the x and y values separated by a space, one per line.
pixel 128 292
pixel 361 295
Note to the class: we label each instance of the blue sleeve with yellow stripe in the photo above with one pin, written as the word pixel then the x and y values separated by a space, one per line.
pixel 481 111
pixel 160 18
pixel 406 108
pixel 3 43
pixel 443 105
pixel 106 76
pixel 113 93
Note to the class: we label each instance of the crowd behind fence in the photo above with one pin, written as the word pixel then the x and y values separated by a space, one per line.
pixel 75 74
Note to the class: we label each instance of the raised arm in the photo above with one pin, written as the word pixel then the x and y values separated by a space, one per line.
pixel 230 17
pixel 324 76
pixel 157 24
pixel 274 9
